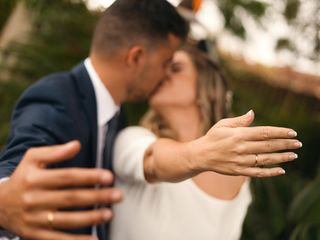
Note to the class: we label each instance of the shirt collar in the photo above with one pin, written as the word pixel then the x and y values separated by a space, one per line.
pixel 106 107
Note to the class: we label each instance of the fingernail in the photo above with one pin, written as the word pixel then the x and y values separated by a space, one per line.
pixel 249 114
pixel 106 178
pixel 116 195
pixel 70 144
pixel 282 171
pixel 106 215
pixel 292 134
pixel 293 156
pixel 298 144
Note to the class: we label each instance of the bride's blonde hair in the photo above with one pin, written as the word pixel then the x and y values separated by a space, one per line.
pixel 213 96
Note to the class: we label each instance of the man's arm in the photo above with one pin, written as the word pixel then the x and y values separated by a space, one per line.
pixel 230 147
pixel 32 199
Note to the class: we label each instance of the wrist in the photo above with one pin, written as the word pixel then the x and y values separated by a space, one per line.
pixel 192 154
pixel 202 155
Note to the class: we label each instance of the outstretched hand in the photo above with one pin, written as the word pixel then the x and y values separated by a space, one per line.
pixel 232 147
pixel 32 199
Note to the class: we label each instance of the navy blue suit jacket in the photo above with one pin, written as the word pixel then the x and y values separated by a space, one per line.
pixel 58 108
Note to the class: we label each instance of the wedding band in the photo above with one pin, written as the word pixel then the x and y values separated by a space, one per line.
pixel 256 162
pixel 50 218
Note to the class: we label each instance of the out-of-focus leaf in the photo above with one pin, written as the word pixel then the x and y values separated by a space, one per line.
pixel 306 232
pixel 317 44
pixel 255 8
pixel 237 28
pixel 306 206
pixel 291 9
pixel 284 43
pixel 233 22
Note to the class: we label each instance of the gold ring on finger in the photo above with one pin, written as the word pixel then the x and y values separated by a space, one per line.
pixel 256 160
pixel 50 218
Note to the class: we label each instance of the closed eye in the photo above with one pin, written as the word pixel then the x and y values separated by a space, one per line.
pixel 176 67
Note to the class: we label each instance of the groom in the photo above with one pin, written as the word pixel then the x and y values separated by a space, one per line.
pixel 132 45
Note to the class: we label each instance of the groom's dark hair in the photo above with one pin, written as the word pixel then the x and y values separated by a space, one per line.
pixel 127 22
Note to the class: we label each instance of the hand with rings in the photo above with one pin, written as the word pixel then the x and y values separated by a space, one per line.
pixel 31 201
pixel 232 147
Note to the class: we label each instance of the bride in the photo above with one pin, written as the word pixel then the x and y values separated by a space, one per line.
pixel 206 206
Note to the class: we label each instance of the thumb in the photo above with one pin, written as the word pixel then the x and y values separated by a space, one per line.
pixel 52 154
pixel 241 121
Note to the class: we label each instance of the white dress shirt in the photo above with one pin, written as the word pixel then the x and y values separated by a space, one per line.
pixel 106 108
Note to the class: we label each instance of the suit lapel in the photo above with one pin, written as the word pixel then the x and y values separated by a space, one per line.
pixel 88 98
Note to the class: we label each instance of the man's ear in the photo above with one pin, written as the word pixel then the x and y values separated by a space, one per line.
pixel 136 56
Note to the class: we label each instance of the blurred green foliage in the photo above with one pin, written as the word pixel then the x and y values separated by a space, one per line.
pixel 292 9
pixel 9 93
pixel 286 207
pixel 230 12
pixel 6 7
pixel 60 37
pixel 301 15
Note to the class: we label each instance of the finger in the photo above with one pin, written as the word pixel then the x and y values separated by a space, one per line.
pixel 274 158
pixel 43 234
pixel 266 133
pixel 53 154
pixel 72 198
pixel 270 146
pixel 75 177
pixel 261 172
pixel 241 121
pixel 71 220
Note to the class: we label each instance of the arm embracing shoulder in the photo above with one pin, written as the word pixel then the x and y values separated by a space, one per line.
pixel 140 156
pixel 129 150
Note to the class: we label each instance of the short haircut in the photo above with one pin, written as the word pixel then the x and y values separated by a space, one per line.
pixel 128 22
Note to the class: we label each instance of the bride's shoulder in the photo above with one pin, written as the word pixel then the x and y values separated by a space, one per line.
pixel 134 132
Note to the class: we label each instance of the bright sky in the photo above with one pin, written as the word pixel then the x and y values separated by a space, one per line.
pixel 259 46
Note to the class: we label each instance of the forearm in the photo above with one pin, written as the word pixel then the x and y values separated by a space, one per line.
pixel 169 161
pixel 3 197
pixel 230 147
